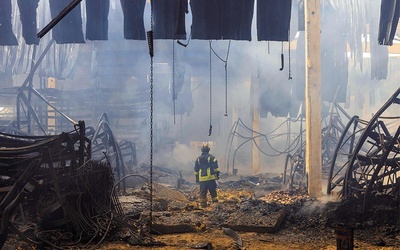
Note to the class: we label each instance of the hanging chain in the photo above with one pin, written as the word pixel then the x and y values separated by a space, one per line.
pixel 226 79
pixel 151 52
pixel 173 76
pixel 210 129
pixel 151 142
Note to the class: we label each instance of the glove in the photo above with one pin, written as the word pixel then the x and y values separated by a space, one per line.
pixel 197 179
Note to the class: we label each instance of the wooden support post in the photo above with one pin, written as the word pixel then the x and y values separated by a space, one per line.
pixel 255 115
pixel 313 97
pixel 51 113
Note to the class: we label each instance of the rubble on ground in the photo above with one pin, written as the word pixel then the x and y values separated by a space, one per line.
pixel 250 208
pixel 240 209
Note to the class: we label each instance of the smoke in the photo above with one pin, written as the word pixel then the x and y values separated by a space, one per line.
pixel 212 95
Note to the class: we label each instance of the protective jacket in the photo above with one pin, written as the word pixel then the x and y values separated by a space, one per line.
pixel 206 168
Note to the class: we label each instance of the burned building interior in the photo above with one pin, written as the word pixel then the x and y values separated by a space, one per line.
pixel 105 105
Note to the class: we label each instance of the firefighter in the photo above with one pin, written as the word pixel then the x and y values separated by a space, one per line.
pixel 206 172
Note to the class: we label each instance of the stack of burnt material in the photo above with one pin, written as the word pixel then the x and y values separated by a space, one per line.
pixel 53 194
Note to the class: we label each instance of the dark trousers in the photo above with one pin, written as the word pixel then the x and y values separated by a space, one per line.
pixel 208 186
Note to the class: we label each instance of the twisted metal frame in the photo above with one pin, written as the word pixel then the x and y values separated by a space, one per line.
pixel 295 174
pixel 373 165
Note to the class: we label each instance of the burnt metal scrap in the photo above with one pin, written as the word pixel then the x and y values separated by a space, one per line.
pixel 231 233
pixel 165 175
pixel 333 127
pixel 371 165
pixel 106 148
pixel 53 194
pixel 343 152
pixel 232 150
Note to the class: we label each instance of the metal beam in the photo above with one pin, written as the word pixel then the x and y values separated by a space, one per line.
pixel 58 18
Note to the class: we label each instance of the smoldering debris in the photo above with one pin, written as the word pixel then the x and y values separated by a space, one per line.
pixel 54 195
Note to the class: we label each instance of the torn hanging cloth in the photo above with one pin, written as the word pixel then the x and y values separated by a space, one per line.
pixel 133 11
pixel 273 20
pixel 169 19
pixel 206 19
pixel 97 19
pixel 69 28
pixel 180 21
pixel 28 13
pixel 7 36
pixel 221 19
pixel 301 16
pixel 237 16
pixel 379 61
pixel 388 21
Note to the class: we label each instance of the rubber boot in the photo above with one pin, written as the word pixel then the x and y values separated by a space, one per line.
pixel 203 203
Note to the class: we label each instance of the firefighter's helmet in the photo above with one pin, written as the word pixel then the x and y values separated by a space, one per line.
pixel 205 148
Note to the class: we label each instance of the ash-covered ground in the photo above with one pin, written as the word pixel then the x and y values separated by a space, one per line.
pixel 252 213
pixel 272 214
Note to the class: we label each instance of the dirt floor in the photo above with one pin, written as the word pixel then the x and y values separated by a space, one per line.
pixel 251 214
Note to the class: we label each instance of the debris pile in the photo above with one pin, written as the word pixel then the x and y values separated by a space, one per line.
pixel 286 198
pixel 53 194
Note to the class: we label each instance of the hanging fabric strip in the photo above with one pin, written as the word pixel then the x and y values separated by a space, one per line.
pixel 301 16
pixel 7 36
pixel 388 21
pixel 180 24
pixel 97 19
pixel 273 20
pixel 379 54
pixel 27 11
pixel 69 28
pixel 206 19
pixel 133 11
pixel 222 19
pixel 166 19
pixel 236 19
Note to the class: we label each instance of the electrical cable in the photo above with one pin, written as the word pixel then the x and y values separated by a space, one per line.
pixel 210 128
pixel 267 137
pixel 226 73
pixel 173 76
